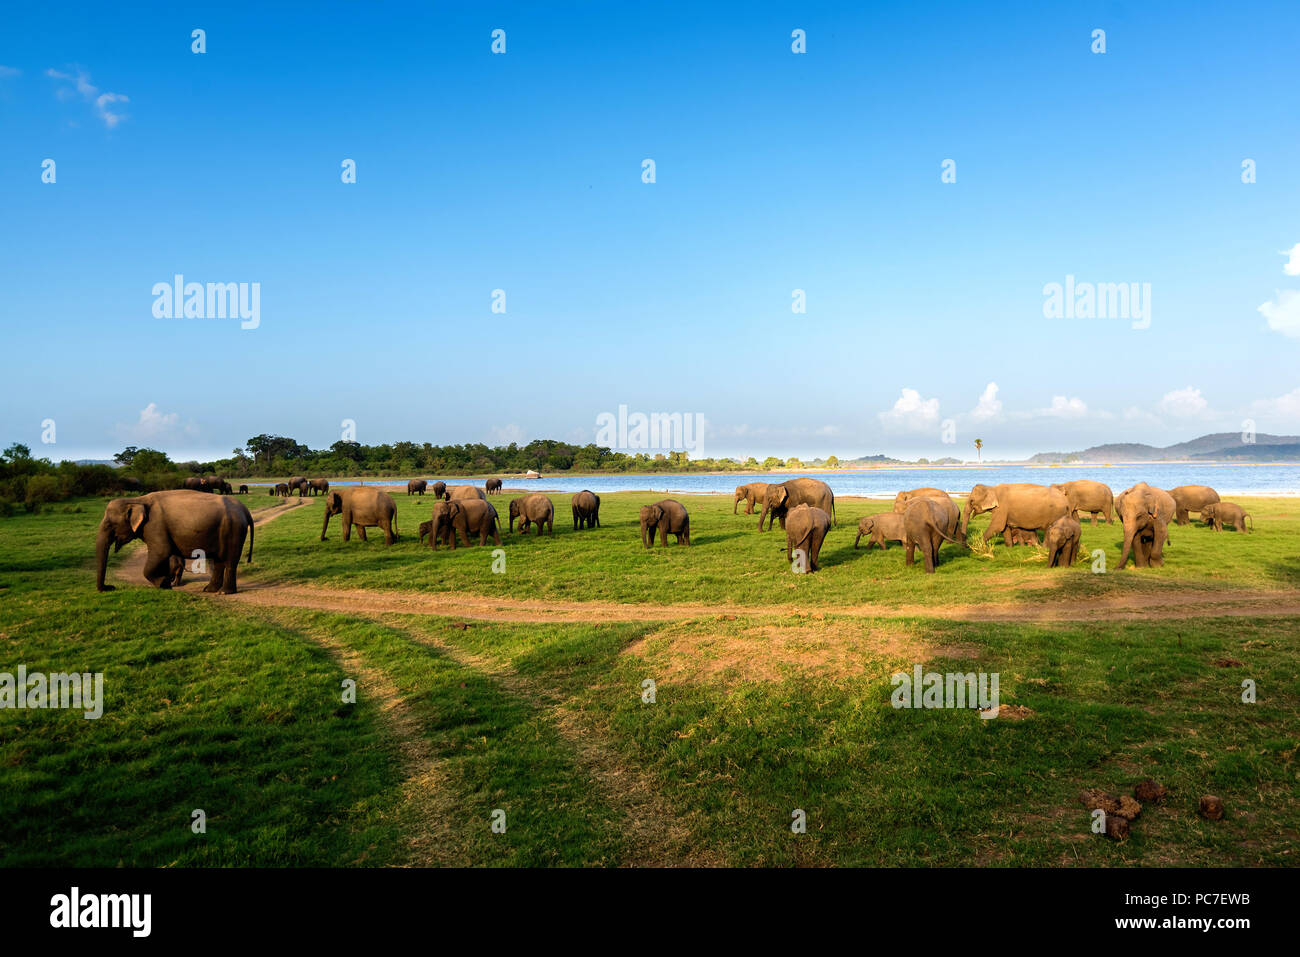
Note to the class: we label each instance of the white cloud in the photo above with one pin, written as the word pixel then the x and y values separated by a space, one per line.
pixel 1283 313
pixel 1283 407
pixel 1292 268
pixel 505 434
pixel 989 406
pixel 911 412
pixel 1065 408
pixel 155 426
pixel 1183 403
pixel 102 102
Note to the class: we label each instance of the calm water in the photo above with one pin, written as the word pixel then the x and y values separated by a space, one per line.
pixel 1227 479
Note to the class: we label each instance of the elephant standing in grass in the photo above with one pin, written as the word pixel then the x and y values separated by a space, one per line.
pixel 780 498
pixel 667 516
pixel 1086 496
pixel 416 487
pixel 904 499
pixel 174 525
pixel 492 486
pixel 439 489
pixel 1145 512
pixel 751 495
pixel 426 528
pixel 805 530
pixel 281 489
pixel 1191 498
pixel 465 491
pixel 363 507
pixel 195 484
pixel 1216 513
pixel 586 510
pixel 298 484
pixel 462 518
pixel 879 529
pixel 924 525
pixel 319 486
pixel 1063 542
pixel 1015 505
pixel 243 490
pixel 533 508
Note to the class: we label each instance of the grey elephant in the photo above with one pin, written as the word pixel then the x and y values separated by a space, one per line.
pixel 175 524
pixel 465 491
pixel 492 486
pixel 281 489
pixel 461 518
pixel 880 529
pixel 1216 513
pixel 416 487
pixel 904 499
pixel 1062 541
pixel 1191 498
pixel 1145 512
pixel 1088 497
pixel 439 489
pixel 1014 505
pixel 751 494
pixel 319 486
pixel 298 484
pixel 668 516
pixel 533 508
pixel 924 525
pixel 195 484
pixel 805 531
pixel 243 490
pixel 586 510
pixel 363 507
pixel 780 498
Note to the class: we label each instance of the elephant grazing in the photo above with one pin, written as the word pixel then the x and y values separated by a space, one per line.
pixel 586 510
pixel 1191 498
pixel 174 525
pixel 1145 512
pixel 319 486
pixel 281 489
pixel 925 525
pixel 904 499
pixel 1216 513
pixel 492 486
pixel 243 490
pixel 805 530
pixel 465 491
pixel 195 484
pixel 1063 542
pixel 298 484
pixel 879 529
pixel 439 489
pixel 667 516
pixel 363 507
pixel 780 498
pixel 416 487
pixel 1086 496
pixel 1015 505
pixel 533 508
pixel 462 518
pixel 751 495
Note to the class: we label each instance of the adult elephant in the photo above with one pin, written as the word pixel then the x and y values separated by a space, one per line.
pixel 805 530
pixel 216 484
pixel 492 486
pixel 462 518
pixel 465 491
pixel 1014 505
pixel 904 499
pixel 439 489
pixel 1086 496
pixel 176 524
pixel 363 507
pixel 924 526
pixel 1145 512
pixel 586 510
pixel 319 486
pixel 1063 541
pixel 667 516
pixel 298 484
pixel 1191 498
pixel 243 490
pixel 780 498
pixel 751 494
pixel 533 508
pixel 281 489
pixel 195 484
pixel 416 487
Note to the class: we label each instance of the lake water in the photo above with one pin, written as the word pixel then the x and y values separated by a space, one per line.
pixel 1228 480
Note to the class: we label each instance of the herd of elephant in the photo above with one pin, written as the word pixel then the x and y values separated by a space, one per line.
pixel 180 523
pixel 925 518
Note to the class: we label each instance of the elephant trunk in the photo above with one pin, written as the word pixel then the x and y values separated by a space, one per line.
pixel 101 554
pixel 1129 531
pixel 325 527
pixel 965 519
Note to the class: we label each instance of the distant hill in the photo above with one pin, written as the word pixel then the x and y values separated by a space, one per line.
pixel 1219 445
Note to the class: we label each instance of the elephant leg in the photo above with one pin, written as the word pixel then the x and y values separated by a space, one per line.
pixel 1094 519
pixel 462 533
pixel 663 535
pixel 496 534
pixel 216 575
pixel 388 531
pixel 858 539
pixel 686 533
pixel 931 549
pixel 361 530
pixel 347 526
pixel 228 585
pixel 911 552
pixel 158 570
pixel 997 527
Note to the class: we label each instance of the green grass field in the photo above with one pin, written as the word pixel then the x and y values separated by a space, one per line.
pixel 523 693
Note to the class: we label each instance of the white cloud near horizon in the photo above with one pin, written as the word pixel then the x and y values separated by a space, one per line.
pixel 1063 407
pixel 154 425
pixel 988 407
pixel 911 413
pixel 1183 403
pixel 102 102
pixel 1286 407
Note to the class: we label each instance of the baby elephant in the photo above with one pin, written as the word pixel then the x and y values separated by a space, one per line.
pixel 1216 513
pixel 805 530
pixel 879 529
pixel 667 516
pixel 1062 542
pixel 425 529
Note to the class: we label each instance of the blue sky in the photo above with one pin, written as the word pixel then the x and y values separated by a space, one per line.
pixel 775 171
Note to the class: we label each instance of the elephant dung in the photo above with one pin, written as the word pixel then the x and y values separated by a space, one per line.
pixel 1211 807
pixel 1148 792
pixel 1116 827
pixel 1115 805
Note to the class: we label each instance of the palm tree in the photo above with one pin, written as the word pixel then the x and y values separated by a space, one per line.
pixel 979 444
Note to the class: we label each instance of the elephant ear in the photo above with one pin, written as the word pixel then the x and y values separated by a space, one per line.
pixel 656 513
pixel 455 509
pixel 136 514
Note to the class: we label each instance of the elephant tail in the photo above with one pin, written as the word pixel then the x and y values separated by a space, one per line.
pixel 250 546
pixel 954 541
pixel 1251 520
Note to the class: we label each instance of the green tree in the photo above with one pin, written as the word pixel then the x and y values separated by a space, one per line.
pixel 979 446
pixel 832 462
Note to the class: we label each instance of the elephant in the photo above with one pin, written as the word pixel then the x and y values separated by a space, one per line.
pixel 665 516
pixel 439 489
pixel 880 529
pixel 924 525
pixel 465 491
pixel 1191 498
pixel 363 507
pixel 492 486
pixel 319 486
pixel 425 529
pixel 1216 513
pixel 586 510
pixel 533 508
pixel 1015 505
pixel 175 524
pixel 243 490
pixel 216 484
pixel 281 489
pixel 463 517
pixel 298 484
pixel 1088 496
pixel 195 484
pixel 904 499
pixel 416 487
pixel 751 495
pixel 1063 541
pixel 780 498
pixel 1022 536
pixel 1145 512
pixel 805 530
